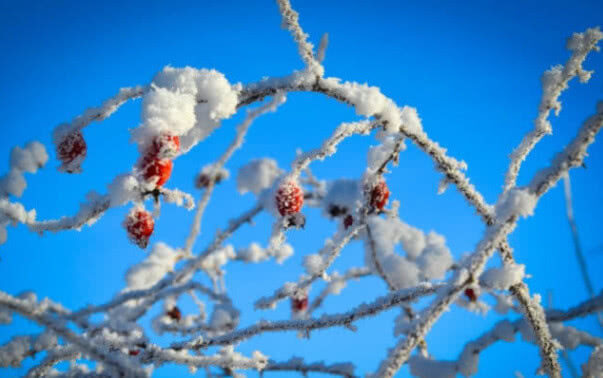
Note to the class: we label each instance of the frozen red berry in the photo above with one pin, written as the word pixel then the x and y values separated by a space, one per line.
pixel 156 170
pixel 140 224
pixel 379 195
pixel 289 198
pixel 134 352
pixel 299 304
pixel 71 150
pixel 348 221
pixel 175 314
pixel 470 294
pixel 165 145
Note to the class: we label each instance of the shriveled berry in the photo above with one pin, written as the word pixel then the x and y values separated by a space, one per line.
pixel 470 294
pixel 379 195
pixel 348 221
pixel 156 170
pixel 139 224
pixel 134 352
pixel 165 145
pixel 336 211
pixel 299 304
pixel 71 150
pixel 175 314
pixel 203 179
pixel 289 198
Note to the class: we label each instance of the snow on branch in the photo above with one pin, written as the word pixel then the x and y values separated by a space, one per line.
pixel 554 82
pixel 345 369
pixel 291 22
pixel 38 313
pixel 209 185
pixel 180 108
pixel 572 156
pixel 467 362
pixel 325 321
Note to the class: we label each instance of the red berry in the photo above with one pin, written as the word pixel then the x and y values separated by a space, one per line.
pixel 165 145
pixel 379 195
pixel 140 224
pixel 299 304
pixel 175 313
pixel 156 170
pixel 71 150
pixel 348 221
pixel 289 198
pixel 470 293
pixel 135 352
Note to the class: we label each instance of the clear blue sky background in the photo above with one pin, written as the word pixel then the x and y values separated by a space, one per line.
pixel 471 68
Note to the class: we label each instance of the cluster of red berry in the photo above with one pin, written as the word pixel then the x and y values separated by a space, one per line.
pixel 70 149
pixel 156 167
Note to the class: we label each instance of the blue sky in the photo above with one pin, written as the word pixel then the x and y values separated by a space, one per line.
pixel 471 69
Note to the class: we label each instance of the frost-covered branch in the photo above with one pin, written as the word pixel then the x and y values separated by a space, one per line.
pixel 298 364
pixel 326 321
pixel 467 362
pixel 271 106
pixel 336 284
pixel 291 22
pixel 327 255
pixel 572 156
pixel 37 313
pixel 554 82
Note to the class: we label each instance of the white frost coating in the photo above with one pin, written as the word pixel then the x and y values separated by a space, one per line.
pixel 28 159
pixel 314 264
pixel 97 113
pixel 413 241
pixel 257 175
pixel 381 153
pixel 368 101
pixel 3 235
pixel 593 368
pixel 185 102
pixel 427 256
pixel 178 198
pixel 468 360
pixel 518 202
pixel 15 212
pixel 504 277
pixel 45 341
pixel 399 271
pixel 222 317
pixel 425 368
pixel 571 338
pixel 254 253
pixel 218 258
pixel 123 189
pixel 164 111
pixel 283 252
pixel 554 82
pixel 343 196
pixel 435 258
pixel 410 119
pixel 158 263
pixel 13 352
